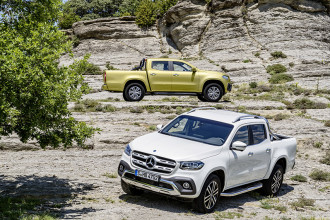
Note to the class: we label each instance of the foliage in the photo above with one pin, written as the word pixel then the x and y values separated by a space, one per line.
pixel 227 215
pixel 128 7
pixel 320 175
pixel 326 158
pixel 110 67
pixel 253 85
pixel 257 54
pixel 34 89
pixel 299 178
pixel 276 68
pixel 146 13
pixel 246 61
pixel 280 78
pixel 67 19
pixel 20 208
pixel 327 123
pixel 278 54
pixel 303 202
pixel 164 5
pixel 87 68
pixel 305 103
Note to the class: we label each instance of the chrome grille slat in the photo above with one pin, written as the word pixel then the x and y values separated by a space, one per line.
pixel 163 165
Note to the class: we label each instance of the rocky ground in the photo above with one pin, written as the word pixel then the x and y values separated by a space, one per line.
pixel 83 184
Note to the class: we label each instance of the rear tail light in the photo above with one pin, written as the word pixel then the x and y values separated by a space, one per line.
pixel 105 76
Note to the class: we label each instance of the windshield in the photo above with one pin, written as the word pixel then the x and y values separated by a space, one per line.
pixel 199 129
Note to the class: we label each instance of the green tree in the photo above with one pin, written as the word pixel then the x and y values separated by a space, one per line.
pixel 128 7
pixel 34 89
pixel 67 19
pixel 146 13
pixel 164 5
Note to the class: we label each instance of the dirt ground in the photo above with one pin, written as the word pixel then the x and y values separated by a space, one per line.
pixel 83 184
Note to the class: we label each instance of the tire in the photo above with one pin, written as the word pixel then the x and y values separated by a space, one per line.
pixel 272 185
pixel 201 98
pixel 213 92
pixel 130 190
pixel 134 92
pixel 212 186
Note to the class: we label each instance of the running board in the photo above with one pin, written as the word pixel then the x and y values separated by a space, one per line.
pixel 241 190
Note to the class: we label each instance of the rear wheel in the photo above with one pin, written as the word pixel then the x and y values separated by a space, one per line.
pixel 134 92
pixel 207 200
pixel 130 190
pixel 213 92
pixel 273 184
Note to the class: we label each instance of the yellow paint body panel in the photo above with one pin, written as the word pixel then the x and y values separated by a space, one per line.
pixel 164 81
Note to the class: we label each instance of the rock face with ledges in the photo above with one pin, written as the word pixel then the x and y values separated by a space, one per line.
pixel 225 35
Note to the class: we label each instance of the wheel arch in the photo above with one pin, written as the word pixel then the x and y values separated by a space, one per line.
pixel 281 161
pixel 214 81
pixel 220 172
pixel 135 81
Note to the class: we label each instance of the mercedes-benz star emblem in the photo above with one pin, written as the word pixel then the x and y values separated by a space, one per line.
pixel 150 162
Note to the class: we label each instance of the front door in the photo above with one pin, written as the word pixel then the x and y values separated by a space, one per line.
pixel 160 76
pixel 183 79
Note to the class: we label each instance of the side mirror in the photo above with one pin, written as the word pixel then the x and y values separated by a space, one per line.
pixel 159 127
pixel 194 69
pixel 238 145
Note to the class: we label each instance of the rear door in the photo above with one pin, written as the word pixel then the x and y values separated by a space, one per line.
pixel 160 76
pixel 183 79
pixel 252 163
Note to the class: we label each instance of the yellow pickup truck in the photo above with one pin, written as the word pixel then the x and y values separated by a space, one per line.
pixel 163 76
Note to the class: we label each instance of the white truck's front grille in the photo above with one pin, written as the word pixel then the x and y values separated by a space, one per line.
pixel 152 162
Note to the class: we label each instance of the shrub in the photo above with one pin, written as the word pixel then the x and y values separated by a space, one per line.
pixel 291 64
pixel 79 107
pixel 327 123
pixel 280 78
pixel 66 21
pixel 317 144
pixel 253 85
pixel 257 54
pixel 326 158
pixel 109 108
pixel 264 88
pixel 299 178
pixel 146 13
pixel 152 128
pixel 320 175
pixel 276 68
pixel 305 103
pixel 110 67
pixel 164 5
pixel 246 61
pixel 302 202
pixel 278 54
pixel 89 103
pixel 279 117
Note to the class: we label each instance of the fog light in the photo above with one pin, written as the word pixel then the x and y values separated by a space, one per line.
pixel 121 168
pixel 186 185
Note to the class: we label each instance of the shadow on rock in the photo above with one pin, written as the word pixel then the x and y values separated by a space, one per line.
pixel 53 194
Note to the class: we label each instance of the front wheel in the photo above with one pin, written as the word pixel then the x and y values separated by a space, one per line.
pixel 272 185
pixel 213 92
pixel 206 201
pixel 134 92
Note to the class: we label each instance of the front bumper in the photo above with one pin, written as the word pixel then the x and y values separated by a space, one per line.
pixel 229 87
pixel 168 186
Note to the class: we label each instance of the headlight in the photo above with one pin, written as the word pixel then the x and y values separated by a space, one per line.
pixel 128 150
pixel 191 165
pixel 225 77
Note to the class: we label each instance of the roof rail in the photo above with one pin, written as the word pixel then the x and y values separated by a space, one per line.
pixel 247 116
pixel 202 108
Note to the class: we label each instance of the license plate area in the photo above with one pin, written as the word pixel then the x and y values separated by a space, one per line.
pixel 147 175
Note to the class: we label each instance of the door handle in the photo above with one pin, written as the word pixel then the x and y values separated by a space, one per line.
pixel 250 154
pixel 267 150
pixel 153 74
pixel 175 74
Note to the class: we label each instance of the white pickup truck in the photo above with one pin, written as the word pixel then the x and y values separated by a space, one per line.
pixel 207 153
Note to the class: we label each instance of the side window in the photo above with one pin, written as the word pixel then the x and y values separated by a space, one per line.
pixel 179 66
pixel 160 65
pixel 259 134
pixel 242 135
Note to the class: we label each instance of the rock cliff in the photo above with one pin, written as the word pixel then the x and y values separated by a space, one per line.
pixel 226 35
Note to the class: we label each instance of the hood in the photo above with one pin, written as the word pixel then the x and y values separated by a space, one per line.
pixel 175 148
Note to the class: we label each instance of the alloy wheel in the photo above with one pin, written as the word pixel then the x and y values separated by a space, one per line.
pixel 135 92
pixel 277 180
pixel 213 92
pixel 211 195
